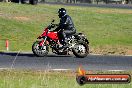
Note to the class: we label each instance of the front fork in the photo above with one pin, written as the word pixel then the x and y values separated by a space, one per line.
pixel 43 41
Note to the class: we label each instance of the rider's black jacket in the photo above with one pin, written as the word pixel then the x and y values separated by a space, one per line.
pixel 66 23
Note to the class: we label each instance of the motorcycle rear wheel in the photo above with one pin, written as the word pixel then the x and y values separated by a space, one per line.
pixel 39 51
pixel 81 49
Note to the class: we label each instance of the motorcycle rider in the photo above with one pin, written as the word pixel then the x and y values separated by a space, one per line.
pixel 66 26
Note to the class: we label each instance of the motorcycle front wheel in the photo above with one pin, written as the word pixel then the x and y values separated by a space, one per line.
pixel 39 51
pixel 80 49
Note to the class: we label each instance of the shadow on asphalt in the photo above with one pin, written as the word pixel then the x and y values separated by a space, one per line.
pixel 31 54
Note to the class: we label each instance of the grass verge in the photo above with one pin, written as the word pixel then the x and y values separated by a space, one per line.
pixel 44 79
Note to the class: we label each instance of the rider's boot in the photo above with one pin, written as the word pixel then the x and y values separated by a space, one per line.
pixel 65 44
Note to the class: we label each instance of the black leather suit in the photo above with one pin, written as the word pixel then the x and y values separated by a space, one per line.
pixel 67 27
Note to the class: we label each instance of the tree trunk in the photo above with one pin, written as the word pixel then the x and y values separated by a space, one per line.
pixel 75 1
pixel 42 0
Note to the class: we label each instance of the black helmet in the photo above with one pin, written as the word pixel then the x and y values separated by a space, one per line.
pixel 62 12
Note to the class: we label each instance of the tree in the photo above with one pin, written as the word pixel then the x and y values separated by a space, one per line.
pixel 70 1
pixel 42 0
pixel 75 1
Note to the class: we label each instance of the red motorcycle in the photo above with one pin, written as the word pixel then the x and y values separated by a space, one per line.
pixel 78 44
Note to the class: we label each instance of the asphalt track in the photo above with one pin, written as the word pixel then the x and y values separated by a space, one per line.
pixel 91 62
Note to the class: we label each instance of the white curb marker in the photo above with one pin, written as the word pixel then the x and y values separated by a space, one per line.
pixel 61 69
pixel 116 70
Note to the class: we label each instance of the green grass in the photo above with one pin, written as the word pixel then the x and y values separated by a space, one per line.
pixel 43 79
pixel 107 29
